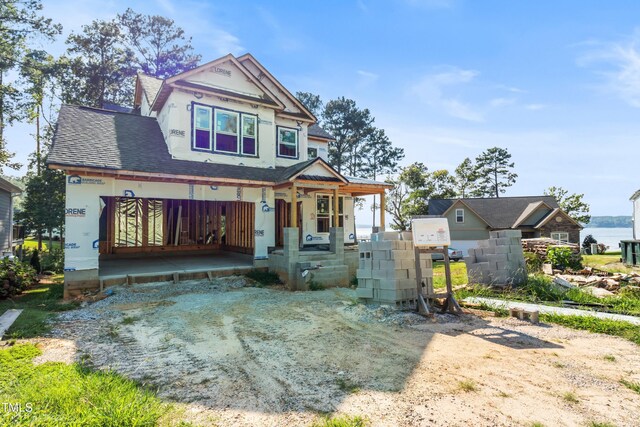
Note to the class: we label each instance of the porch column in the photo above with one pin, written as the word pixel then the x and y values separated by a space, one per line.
pixel 294 206
pixel 336 215
pixel 382 208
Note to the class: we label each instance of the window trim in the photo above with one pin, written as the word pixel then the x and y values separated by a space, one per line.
pixel 195 107
pixel 278 128
pixel 457 216
pixel 212 131
pixel 559 234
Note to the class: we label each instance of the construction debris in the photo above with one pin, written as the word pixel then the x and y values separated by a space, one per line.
pixel 598 282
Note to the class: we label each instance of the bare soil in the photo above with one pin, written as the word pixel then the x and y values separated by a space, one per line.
pixel 234 355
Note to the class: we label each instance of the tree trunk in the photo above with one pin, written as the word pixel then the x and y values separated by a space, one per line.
pixel 39 240
pixel 50 239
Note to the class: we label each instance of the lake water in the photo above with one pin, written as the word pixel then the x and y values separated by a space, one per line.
pixel 609 236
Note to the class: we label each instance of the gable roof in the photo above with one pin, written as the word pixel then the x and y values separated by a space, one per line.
pixel 9 187
pixel 553 214
pixel 149 86
pixel 121 143
pixel 305 113
pixel 529 210
pixel 497 212
pixel 179 79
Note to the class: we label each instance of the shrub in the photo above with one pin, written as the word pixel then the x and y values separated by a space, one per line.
pixel 534 262
pixel 586 244
pixel 562 257
pixel 35 261
pixel 15 277
pixel 53 260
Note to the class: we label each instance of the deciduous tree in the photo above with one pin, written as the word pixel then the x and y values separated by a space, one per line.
pixel 20 23
pixel 572 204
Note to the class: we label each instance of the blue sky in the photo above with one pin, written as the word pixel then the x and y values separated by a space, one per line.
pixel 556 83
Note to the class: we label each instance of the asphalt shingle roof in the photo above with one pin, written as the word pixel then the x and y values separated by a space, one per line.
pixel 89 137
pixel 500 212
pixel 316 130
pixel 150 86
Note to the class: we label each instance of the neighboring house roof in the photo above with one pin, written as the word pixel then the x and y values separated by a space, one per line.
pixel 498 212
pixel 316 131
pixel 111 141
pixel 528 212
pixel 553 214
pixel 9 187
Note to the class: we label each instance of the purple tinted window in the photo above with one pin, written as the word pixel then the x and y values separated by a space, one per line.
pixel 249 146
pixel 287 150
pixel 202 139
pixel 228 143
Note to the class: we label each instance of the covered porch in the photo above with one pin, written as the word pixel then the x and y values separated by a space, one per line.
pixel 174 266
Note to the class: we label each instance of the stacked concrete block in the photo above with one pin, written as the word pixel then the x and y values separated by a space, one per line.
pixel 387 270
pixel 499 260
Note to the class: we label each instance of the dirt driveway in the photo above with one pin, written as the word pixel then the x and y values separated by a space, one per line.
pixel 248 356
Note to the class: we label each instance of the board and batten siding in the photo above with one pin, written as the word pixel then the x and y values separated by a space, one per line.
pixel 5 220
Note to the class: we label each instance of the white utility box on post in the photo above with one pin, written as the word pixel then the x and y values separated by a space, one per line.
pixel 430 232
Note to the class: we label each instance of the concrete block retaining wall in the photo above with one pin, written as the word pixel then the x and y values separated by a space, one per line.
pixel 499 260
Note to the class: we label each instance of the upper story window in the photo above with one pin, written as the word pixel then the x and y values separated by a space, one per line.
pixel 224 131
pixel 312 153
pixel 287 142
pixel 459 216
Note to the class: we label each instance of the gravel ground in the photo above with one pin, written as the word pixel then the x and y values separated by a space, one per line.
pixel 238 355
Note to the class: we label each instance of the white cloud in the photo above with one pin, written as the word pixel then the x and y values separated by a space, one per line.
pixel 620 62
pixel 366 77
pixel 167 6
pixel 501 102
pixel 362 6
pixel 432 88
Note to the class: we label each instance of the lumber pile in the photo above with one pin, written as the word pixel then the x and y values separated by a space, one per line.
pixel 599 283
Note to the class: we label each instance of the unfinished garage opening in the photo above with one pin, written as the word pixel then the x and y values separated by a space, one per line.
pixel 131 225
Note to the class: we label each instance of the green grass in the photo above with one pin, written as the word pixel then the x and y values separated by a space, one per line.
pixel 341 421
pixel 61 394
pixel 570 397
pixel 609 358
pixel 608 262
pixel 631 385
pixel 32 243
pixel 539 289
pixel 40 304
pixel 600 424
pixel 458 274
pixel 467 386
pixel 593 324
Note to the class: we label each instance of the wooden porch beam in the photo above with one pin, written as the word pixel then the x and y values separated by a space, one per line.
pixel 382 207
pixel 336 215
pixel 294 206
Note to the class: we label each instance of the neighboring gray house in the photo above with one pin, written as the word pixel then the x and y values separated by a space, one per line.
pixel 7 191
pixel 471 219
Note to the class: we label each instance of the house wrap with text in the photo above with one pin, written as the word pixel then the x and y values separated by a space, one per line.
pixel 218 158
